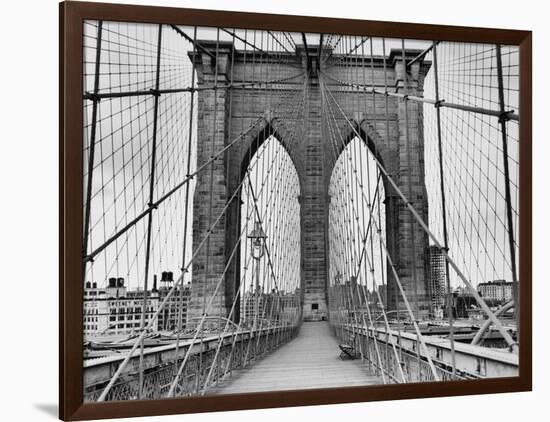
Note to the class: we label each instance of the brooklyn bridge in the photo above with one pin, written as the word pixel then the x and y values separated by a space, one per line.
pixel 270 210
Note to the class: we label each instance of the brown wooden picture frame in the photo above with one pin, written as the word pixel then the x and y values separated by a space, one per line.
pixel 72 15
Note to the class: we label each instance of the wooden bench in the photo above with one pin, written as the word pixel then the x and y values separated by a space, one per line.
pixel 347 352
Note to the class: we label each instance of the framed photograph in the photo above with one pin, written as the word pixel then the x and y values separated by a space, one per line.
pixel 266 210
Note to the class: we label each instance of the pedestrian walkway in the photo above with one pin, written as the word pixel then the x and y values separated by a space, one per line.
pixel 311 360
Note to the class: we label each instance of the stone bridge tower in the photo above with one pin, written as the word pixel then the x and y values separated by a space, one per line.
pixel 395 137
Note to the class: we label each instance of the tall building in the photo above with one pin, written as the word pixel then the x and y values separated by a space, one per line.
pixel 277 307
pixel 497 290
pixel 436 278
pixel 168 319
pixel 115 310
pixel 248 306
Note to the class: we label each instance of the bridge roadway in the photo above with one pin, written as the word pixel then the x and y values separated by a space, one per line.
pixel 311 360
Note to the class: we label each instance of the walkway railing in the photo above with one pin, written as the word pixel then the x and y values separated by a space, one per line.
pixel 425 141
pixel 411 363
pixel 146 150
pixel 211 360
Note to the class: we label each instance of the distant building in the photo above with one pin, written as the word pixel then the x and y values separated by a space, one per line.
pixel 463 303
pixel 351 293
pixel 497 290
pixel 248 306
pixel 436 277
pixel 115 310
pixel 277 307
pixel 168 318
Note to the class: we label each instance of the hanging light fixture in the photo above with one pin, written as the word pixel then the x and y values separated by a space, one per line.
pixel 257 241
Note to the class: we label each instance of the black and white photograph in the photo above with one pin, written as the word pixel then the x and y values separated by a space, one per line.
pixel 277 211
pixel 284 211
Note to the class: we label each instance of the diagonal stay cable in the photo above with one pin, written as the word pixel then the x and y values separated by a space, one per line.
pixel 243 40
pixel 510 115
pixel 168 194
pixel 417 216
pixel 174 383
pixel 155 92
pixel 372 328
pixel 167 297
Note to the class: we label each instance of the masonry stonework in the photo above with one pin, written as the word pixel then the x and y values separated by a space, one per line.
pixel 245 116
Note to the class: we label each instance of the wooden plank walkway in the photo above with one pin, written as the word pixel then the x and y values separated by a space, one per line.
pixel 308 361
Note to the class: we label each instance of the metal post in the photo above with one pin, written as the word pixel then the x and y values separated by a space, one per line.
pixel 257 295
pixel 319 52
pixel 308 63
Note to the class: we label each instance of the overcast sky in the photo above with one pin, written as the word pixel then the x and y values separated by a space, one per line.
pixel 472 150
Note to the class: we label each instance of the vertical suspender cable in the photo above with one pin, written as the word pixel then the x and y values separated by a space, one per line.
pixel 444 213
pixel 150 217
pixel 187 187
pixel 91 151
pixel 502 120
